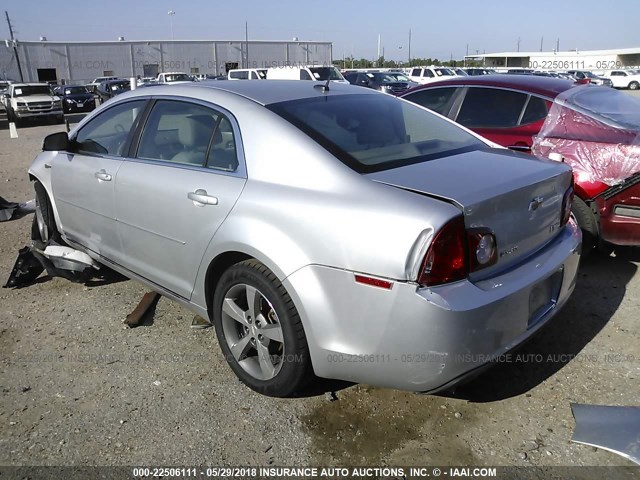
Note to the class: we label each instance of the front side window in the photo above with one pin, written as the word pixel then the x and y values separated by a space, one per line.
pixel 107 133
pixel 187 133
pixel 491 108
pixel 436 99
pixel 371 133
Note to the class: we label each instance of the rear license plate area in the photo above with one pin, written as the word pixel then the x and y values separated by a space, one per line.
pixel 543 297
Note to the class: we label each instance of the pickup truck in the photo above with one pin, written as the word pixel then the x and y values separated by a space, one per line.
pixel 174 77
pixel 32 100
pixel 624 79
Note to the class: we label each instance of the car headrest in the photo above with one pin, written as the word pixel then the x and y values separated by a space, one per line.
pixel 195 130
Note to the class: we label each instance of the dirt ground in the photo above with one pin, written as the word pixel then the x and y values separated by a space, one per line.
pixel 78 388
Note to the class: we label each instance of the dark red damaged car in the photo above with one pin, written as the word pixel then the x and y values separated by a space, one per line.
pixel 595 130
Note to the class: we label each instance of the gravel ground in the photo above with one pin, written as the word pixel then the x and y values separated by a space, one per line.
pixel 78 388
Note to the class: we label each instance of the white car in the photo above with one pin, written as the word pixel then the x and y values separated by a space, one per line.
pixel 319 73
pixel 247 74
pixel 32 100
pixel 424 75
pixel 174 77
pixel 624 79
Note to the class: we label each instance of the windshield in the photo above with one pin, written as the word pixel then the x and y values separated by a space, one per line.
pixel 400 77
pixel 177 77
pixel 32 90
pixel 388 77
pixel 589 75
pixel 326 73
pixel 444 72
pixel 75 90
pixel 371 133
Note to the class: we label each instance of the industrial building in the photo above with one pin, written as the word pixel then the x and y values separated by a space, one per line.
pixel 78 62
pixel 570 60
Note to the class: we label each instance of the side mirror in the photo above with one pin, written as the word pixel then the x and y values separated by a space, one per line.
pixel 56 142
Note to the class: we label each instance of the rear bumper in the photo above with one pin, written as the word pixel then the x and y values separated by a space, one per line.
pixel 427 339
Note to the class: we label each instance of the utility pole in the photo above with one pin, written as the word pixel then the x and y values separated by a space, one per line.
pixel 541 40
pixel 378 46
pixel 518 44
pixel 246 41
pixel 558 45
pixel 14 44
pixel 409 47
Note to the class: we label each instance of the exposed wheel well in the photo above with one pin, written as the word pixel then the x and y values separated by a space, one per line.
pixel 216 268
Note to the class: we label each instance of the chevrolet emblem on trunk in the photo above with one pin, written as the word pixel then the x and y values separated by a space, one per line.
pixel 535 204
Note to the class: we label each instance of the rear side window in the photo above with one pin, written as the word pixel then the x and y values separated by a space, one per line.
pixel 427 73
pixel 536 110
pixel 304 75
pixel 107 133
pixel 371 133
pixel 436 99
pixel 415 72
pixel 491 108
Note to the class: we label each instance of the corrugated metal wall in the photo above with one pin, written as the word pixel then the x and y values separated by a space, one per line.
pixel 82 62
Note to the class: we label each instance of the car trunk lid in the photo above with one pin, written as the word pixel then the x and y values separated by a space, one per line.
pixel 517 196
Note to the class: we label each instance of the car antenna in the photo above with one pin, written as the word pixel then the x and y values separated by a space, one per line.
pixel 324 88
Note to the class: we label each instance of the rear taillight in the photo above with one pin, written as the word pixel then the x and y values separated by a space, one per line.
pixel 482 248
pixel 455 252
pixel 567 201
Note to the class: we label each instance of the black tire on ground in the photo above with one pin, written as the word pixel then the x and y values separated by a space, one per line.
pixel 294 361
pixel 587 223
pixel 43 228
pixel 44 231
pixel 634 85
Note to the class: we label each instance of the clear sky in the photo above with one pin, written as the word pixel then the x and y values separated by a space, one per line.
pixel 439 29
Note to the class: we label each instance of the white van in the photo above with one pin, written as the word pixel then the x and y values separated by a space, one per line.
pixel 309 72
pixel 247 74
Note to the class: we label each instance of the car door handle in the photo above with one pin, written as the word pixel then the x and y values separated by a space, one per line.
pixel 102 175
pixel 200 198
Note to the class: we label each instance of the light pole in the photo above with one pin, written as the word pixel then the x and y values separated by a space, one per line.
pixel 171 13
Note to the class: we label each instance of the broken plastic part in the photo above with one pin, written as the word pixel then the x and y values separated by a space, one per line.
pixel 616 429
pixel 68 258
pixel 596 130
pixel 26 269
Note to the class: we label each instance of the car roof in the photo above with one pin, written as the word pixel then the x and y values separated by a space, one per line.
pixel 274 91
pixel 546 86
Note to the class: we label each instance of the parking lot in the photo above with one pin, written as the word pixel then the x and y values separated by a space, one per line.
pixel 78 385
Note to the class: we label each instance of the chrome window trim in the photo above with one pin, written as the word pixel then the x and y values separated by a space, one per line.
pixel 240 172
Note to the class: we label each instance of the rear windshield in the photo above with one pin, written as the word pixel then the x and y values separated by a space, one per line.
pixel 371 133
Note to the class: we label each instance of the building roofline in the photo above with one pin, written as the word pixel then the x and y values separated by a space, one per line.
pixel 127 42
pixel 617 51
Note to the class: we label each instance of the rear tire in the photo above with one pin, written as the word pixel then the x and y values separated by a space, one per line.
pixel 259 330
pixel 587 223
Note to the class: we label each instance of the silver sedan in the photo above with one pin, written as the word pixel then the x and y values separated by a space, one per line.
pixel 322 228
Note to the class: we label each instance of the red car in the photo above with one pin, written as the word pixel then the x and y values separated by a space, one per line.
pixel 594 129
